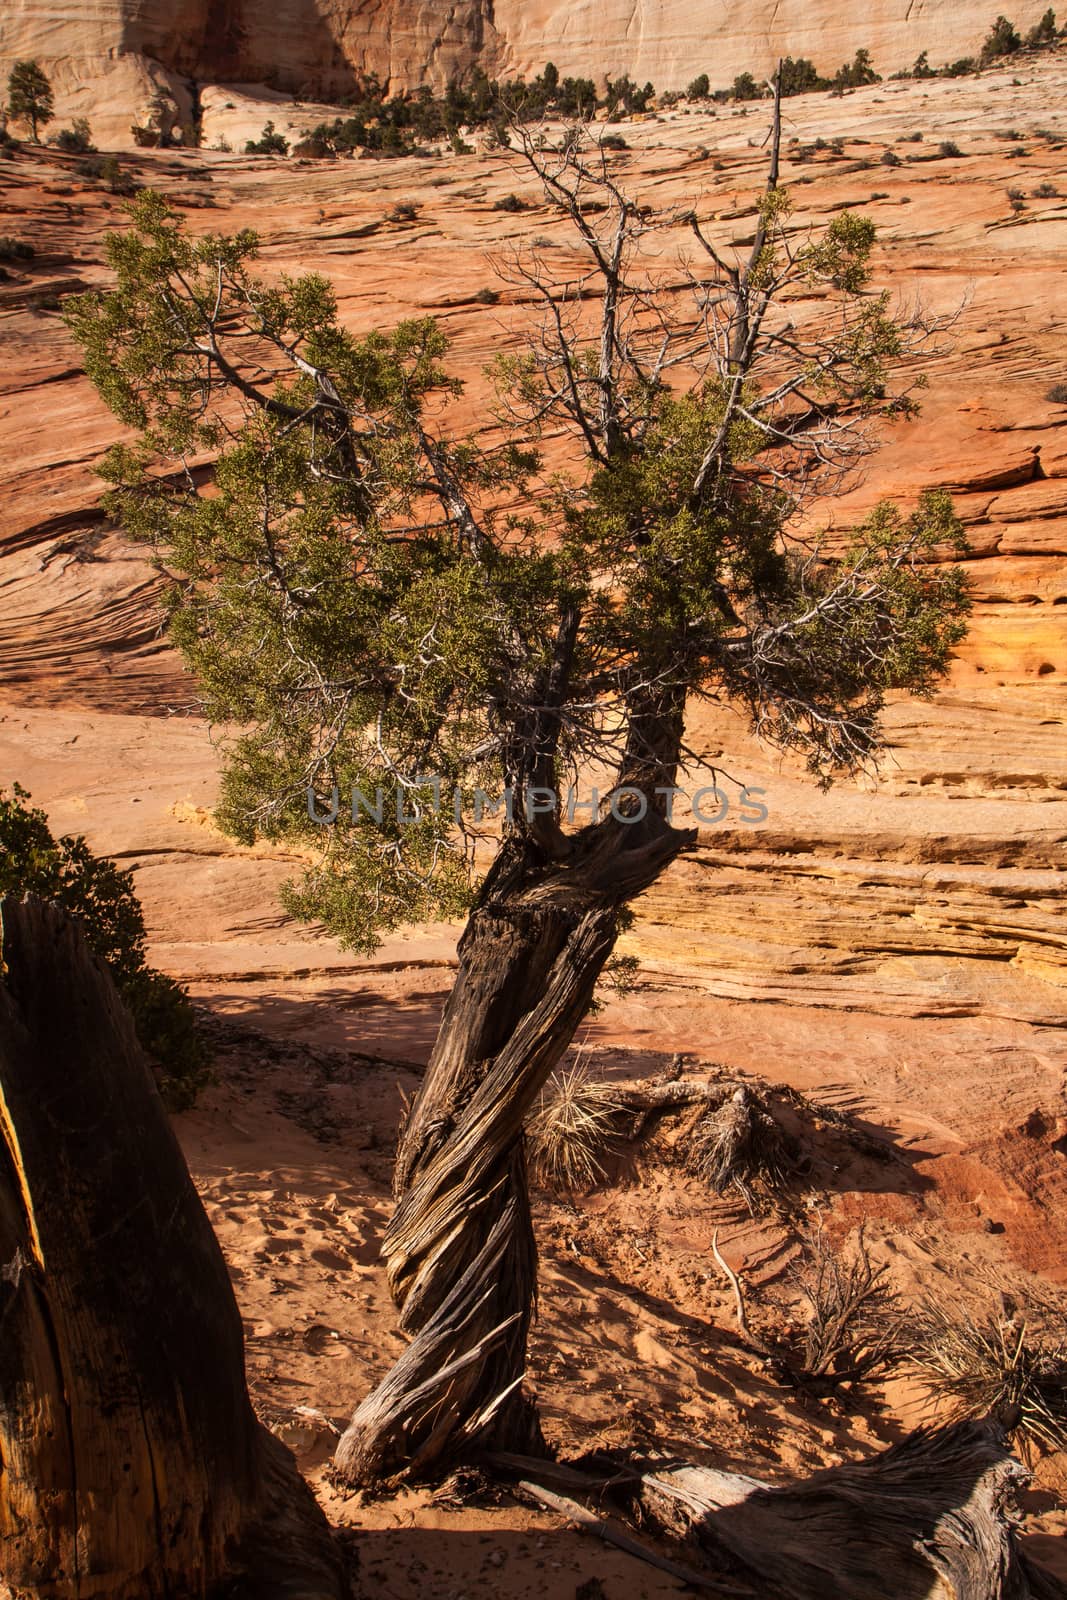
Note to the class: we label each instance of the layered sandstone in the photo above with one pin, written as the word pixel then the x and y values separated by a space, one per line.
pixel 121 63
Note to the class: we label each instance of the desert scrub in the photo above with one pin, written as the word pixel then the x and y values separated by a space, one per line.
pixel 854 1331
pixel 570 1130
pixel 1010 1366
pixel 100 897
pixel 739 1148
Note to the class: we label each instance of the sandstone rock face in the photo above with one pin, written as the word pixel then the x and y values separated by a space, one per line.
pixel 122 62
pixel 670 41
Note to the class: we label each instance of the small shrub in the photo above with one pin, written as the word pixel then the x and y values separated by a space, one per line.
pixel 800 77
pixel 1046 191
pixel 855 1330
pixel 911 138
pixel 570 1130
pixel 1016 194
pixel 857 73
pixel 509 202
pixel 313 147
pixel 404 211
pixel 12 249
pixel 700 87
pixel 960 68
pixel 613 141
pixel 1057 394
pixel 1018 205
pixel 145 138
pixel 109 171
pixel 837 147
pixel 77 139
pixel 1001 40
pixel 746 88
pixel 949 147
pixel 997 1365
pixel 487 296
pixel 1043 32
pixel 100 896
pixel 891 159
pixel 269 143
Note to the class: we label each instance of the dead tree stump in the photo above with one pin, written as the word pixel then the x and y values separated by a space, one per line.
pixel 131 1463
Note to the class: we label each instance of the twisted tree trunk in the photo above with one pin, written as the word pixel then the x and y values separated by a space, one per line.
pixel 132 1466
pixel 459 1250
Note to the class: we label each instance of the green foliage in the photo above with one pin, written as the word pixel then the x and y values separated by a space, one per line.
pixel 746 88
pixel 109 171
pixel 269 143
pixel 623 95
pixel 1001 40
pixel 101 897
pixel 29 96
pixel 882 590
pixel 404 124
pixel 857 73
pixel 699 88
pixel 76 140
pixel 1044 31
pixel 800 77
pixel 373 597
pixel 949 147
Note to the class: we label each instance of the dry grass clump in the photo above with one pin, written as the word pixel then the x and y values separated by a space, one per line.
pixel 855 1331
pixel 997 1365
pixel 570 1129
pixel 740 1147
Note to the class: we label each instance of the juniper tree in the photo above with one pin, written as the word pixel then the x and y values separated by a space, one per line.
pixel 29 96
pixel 371 594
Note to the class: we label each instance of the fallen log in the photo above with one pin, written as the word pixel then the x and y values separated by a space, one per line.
pixel 931 1518
pixel 132 1466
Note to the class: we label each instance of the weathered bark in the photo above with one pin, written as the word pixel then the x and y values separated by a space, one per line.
pixel 460 1250
pixel 131 1463
pixel 931 1518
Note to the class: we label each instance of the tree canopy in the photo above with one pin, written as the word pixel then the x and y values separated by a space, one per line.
pixel 29 96
pixel 373 595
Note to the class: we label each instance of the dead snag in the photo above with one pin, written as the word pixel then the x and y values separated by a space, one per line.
pixel 132 1466
pixel 929 1519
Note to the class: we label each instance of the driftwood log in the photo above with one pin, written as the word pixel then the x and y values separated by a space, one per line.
pixel 132 1466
